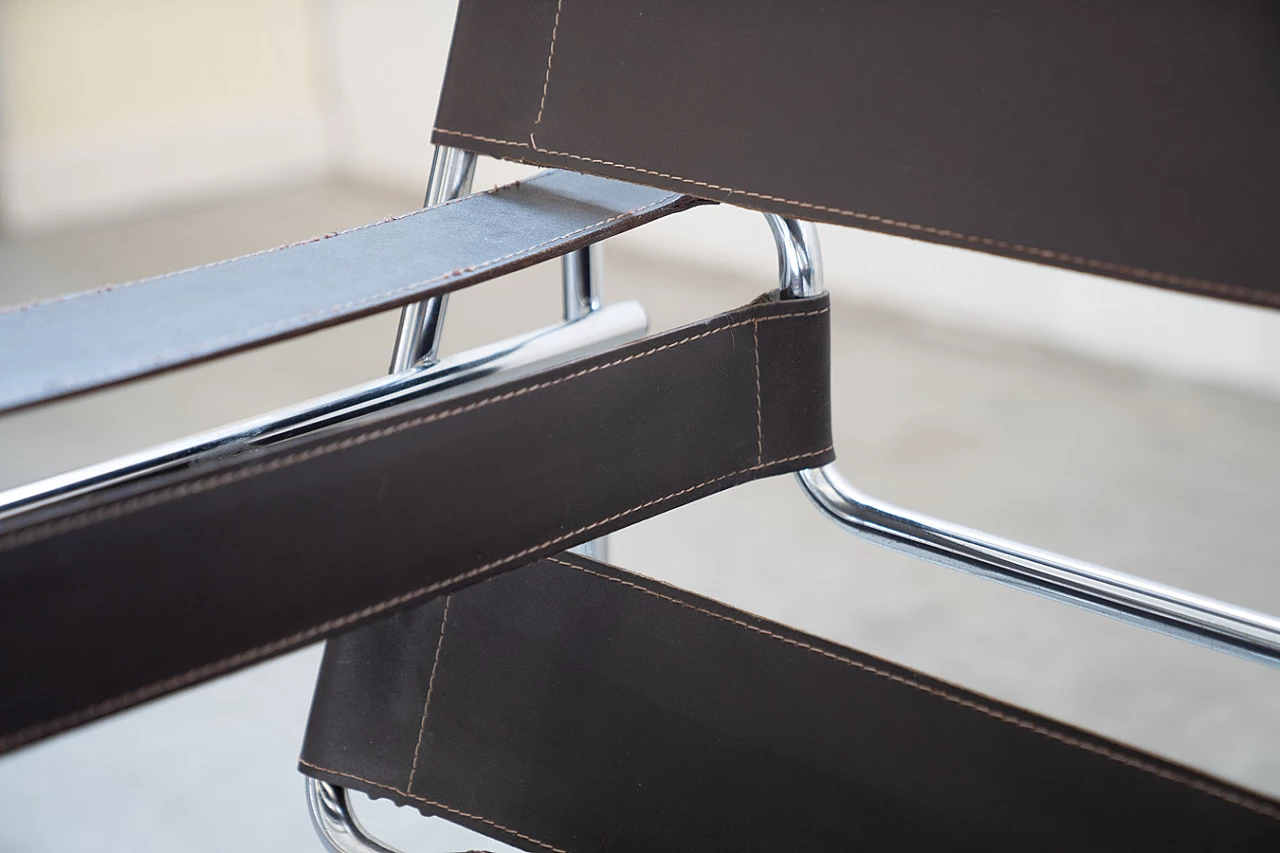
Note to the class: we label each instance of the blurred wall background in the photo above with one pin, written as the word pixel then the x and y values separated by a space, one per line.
pixel 117 106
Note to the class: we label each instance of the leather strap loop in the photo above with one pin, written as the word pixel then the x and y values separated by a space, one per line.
pixel 140 591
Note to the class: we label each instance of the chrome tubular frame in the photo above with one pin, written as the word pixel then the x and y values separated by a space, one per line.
pixel 458 374
pixel 1169 610
pixel 335 823
pixel 417 342
pixel 418 338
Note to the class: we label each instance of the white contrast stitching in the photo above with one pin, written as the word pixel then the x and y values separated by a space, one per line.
pixel 40 303
pixel 1185 282
pixel 1204 787
pixel 431 686
pixel 38 532
pixel 208 670
pixel 546 80
pixel 755 340
pixel 200 673
pixel 160 358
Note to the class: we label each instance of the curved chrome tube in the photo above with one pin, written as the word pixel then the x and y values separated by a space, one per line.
pixel 458 374
pixel 799 256
pixel 1169 610
pixel 335 823
pixel 1138 601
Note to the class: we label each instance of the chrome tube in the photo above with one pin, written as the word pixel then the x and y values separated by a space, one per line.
pixel 799 257
pixel 336 823
pixel 418 337
pixel 581 278
pixel 451 377
pixel 1137 601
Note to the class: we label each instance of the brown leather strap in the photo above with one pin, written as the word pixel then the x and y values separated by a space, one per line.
pixel 111 600
pixel 1117 137
pixel 76 343
pixel 574 707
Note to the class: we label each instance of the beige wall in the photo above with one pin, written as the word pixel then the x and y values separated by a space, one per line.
pixel 386 61
pixel 77 67
pixel 116 104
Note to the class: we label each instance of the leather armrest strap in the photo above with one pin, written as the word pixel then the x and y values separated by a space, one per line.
pixel 111 600
pixel 57 347
pixel 574 707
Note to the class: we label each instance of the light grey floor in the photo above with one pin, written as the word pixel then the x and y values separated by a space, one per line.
pixel 1143 473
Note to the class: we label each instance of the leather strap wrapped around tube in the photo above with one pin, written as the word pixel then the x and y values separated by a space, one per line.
pixel 573 707
pixel 75 343
pixel 123 596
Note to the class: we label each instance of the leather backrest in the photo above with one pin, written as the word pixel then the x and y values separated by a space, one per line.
pixel 1126 138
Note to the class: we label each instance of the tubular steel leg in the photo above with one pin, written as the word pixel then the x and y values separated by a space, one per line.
pixel 582 280
pixel 1176 612
pixel 418 338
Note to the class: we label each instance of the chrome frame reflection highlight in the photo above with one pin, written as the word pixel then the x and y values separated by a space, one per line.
pixel 336 823
pixel 459 374
pixel 1169 610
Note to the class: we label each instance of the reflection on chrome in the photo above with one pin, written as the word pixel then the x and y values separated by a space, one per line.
pixel 1172 611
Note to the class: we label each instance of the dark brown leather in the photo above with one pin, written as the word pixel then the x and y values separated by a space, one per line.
pixel 573 707
pixel 1127 138
pixel 109 601
pixel 75 343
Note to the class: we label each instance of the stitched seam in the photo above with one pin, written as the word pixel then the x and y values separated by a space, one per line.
pixel 546 80
pixel 39 532
pixel 431 686
pixel 1005 717
pixel 383 787
pixel 1188 283
pixel 297 638
pixel 357 303
pixel 755 339
pixel 39 303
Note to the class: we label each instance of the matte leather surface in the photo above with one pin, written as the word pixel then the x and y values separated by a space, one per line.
pixel 1121 137
pixel 573 707
pixel 113 600
pixel 75 343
